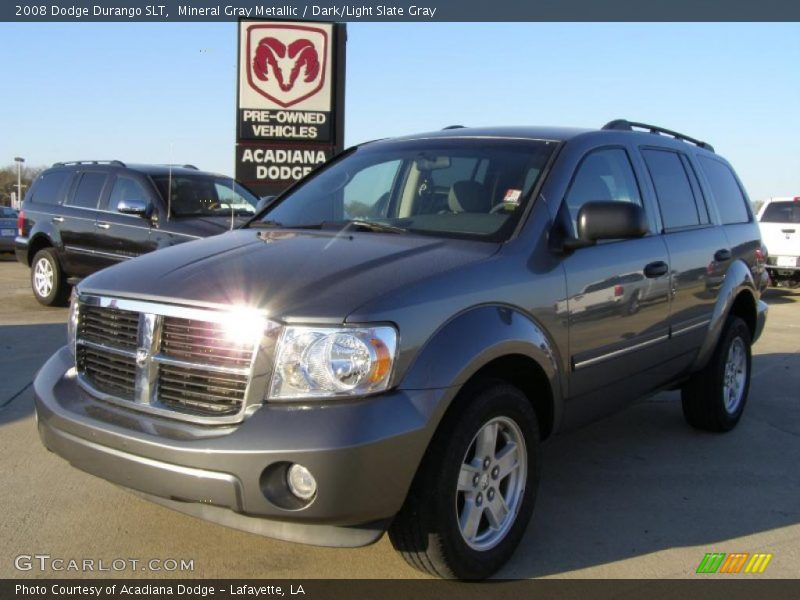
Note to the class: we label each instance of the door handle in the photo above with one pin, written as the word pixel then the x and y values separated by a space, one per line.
pixel 722 255
pixel 57 219
pixel 656 269
pixel 103 225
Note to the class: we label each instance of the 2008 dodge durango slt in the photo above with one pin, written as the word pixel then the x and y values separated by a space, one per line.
pixel 387 344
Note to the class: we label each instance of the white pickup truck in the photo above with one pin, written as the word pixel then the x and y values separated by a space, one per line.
pixel 779 220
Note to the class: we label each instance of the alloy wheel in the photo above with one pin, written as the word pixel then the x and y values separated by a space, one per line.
pixel 735 375
pixel 491 483
pixel 43 277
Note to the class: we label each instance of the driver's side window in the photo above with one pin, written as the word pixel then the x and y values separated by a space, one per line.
pixel 126 189
pixel 366 196
pixel 604 174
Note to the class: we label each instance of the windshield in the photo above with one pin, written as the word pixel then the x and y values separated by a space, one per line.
pixel 205 195
pixel 781 212
pixel 475 188
pixel 7 212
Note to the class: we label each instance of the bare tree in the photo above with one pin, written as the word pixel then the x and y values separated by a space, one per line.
pixel 8 181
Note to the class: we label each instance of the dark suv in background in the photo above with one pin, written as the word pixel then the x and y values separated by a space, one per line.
pixel 8 228
pixel 80 217
pixel 387 343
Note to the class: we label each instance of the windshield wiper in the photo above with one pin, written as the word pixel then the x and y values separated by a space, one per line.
pixel 340 225
pixel 279 225
pixel 374 226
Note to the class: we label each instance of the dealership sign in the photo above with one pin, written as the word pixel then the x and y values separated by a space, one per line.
pixel 290 100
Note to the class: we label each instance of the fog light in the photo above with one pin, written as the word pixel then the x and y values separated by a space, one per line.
pixel 301 482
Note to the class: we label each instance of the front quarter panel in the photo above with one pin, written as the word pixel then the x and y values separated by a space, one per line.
pixel 474 338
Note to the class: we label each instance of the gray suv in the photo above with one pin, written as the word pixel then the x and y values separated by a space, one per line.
pixel 387 344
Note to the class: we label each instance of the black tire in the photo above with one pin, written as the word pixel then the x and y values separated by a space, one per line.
pixel 704 396
pixel 426 532
pixel 58 292
pixel 633 305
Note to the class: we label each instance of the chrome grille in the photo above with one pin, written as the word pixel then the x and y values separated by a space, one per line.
pixel 196 390
pixel 145 356
pixel 110 373
pixel 202 341
pixel 109 326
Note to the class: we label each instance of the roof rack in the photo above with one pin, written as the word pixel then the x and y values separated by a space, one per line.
pixel 116 163
pixel 624 125
pixel 452 127
pixel 181 166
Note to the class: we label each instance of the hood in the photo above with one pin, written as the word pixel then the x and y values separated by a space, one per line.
pixel 293 275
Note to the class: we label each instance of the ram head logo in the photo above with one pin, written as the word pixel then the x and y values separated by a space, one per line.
pixel 274 58
pixel 286 64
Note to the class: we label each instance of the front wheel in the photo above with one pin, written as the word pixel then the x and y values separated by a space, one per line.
pixel 473 495
pixel 714 398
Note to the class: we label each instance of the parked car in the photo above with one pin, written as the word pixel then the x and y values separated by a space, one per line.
pixel 779 220
pixel 321 377
pixel 8 228
pixel 80 217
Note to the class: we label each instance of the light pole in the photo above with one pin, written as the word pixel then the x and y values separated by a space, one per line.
pixel 19 160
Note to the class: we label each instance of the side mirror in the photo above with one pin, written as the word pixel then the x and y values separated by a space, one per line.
pixel 264 202
pixel 607 220
pixel 134 206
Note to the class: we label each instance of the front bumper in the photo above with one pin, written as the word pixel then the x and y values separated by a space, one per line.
pixel 363 454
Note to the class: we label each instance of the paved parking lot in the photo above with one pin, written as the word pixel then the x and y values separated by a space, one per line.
pixel 638 495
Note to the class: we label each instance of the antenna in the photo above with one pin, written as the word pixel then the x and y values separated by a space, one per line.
pixel 169 185
pixel 233 198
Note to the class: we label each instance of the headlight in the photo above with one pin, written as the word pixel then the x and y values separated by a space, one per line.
pixel 72 321
pixel 319 362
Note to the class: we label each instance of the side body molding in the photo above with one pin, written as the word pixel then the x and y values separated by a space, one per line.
pixel 738 279
pixel 475 337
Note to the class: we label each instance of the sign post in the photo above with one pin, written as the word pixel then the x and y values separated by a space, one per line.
pixel 290 101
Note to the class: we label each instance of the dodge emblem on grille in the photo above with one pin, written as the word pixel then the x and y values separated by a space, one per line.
pixel 141 357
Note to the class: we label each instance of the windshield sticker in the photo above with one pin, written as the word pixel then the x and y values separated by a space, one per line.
pixel 511 199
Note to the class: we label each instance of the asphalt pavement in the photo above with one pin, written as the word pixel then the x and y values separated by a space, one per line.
pixel 637 495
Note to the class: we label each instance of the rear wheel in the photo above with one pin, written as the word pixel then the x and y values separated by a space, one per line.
pixel 473 496
pixel 48 282
pixel 714 398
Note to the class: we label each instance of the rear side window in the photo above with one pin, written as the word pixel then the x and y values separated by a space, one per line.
pixel 87 194
pixel 49 188
pixel 676 199
pixel 781 212
pixel 727 194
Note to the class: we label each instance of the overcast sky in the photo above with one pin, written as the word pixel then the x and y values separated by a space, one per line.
pixel 132 91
